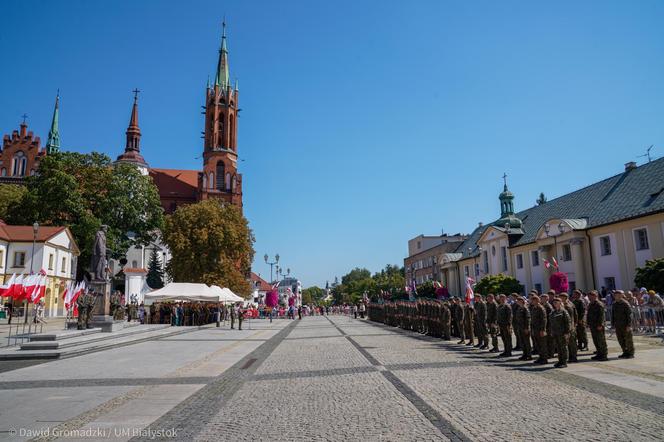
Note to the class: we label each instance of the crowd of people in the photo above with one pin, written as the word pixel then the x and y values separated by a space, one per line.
pixel 545 325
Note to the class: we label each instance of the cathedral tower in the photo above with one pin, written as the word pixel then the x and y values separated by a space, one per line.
pixel 220 178
pixel 132 152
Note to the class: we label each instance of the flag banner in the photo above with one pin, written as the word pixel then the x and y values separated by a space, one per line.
pixel 554 262
pixel 547 264
pixel 470 294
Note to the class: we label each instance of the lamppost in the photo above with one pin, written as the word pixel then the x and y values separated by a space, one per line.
pixel 35 231
pixel 276 260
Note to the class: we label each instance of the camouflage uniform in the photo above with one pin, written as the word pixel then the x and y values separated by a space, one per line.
pixel 482 332
pixel 469 323
pixel 522 329
pixel 504 319
pixel 491 320
pixel 561 326
pixel 538 325
pixel 621 319
pixel 596 318
pixel 446 320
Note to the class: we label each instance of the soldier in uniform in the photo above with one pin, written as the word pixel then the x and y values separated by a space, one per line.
pixel 458 316
pixel 453 310
pixel 232 317
pixel 522 328
pixel 492 321
pixel 561 326
pixel 571 342
pixel 596 320
pixel 504 320
pixel 621 319
pixel 550 343
pixel 581 334
pixel 469 322
pixel 446 320
pixel 240 317
pixel 514 306
pixel 538 325
pixel 480 321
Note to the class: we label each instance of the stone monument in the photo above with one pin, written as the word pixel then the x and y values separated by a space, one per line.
pixel 100 285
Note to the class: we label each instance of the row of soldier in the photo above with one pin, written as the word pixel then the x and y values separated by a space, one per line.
pixel 546 325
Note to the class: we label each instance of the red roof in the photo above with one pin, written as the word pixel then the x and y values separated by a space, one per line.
pixel 263 286
pixel 134 270
pixel 26 233
pixel 175 183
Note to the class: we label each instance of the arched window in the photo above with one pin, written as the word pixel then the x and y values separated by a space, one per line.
pixel 3 172
pixel 19 163
pixel 233 183
pixel 220 175
pixel 211 181
pixel 231 136
pixel 134 264
pixel 228 181
pixel 204 181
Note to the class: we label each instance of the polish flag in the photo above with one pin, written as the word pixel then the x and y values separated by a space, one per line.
pixel 437 284
pixel 547 264
pixel 470 294
pixel 79 289
pixel 4 290
pixel 66 291
pixel 71 292
pixel 30 283
pixel 16 289
pixel 40 289
pixel 554 262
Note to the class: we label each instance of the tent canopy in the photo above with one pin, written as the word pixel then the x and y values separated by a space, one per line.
pixel 186 291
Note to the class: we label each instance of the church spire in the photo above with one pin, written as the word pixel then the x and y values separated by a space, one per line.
pixel 53 143
pixel 133 131
pixel 222 79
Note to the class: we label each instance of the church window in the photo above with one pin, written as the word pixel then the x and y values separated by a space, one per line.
pixel 233 183
pixel 134 264
pixel 204 181
pixel 19 164
pixel 228 181
pixel 3 172
pixel 231 133
pixel 211 181
pixel 220 175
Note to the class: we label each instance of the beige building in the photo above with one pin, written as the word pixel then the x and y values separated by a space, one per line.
pixel 599 235
pixel 425 256
pixel 55 251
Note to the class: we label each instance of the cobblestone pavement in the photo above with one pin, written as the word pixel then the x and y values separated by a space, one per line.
pixel 355 380
pixel 329 378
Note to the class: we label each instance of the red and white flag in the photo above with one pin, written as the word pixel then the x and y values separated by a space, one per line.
pixel 16 289
pixel 547 264
pixel 40 289
pixel 470 294
pixel 66 291
pixel 30 283
pixel 554 262
pixel 437 284
pixel 77 292
pixel 4 290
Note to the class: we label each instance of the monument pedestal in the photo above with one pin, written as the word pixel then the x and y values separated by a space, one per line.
pixel 101 316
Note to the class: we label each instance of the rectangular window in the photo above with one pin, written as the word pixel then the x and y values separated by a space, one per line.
pixel 486 261
pixel 503 252
pixel 2 258
pixel 50 261
pixel 567 252
pixel 19 259
pixel 538 287
pixel 419 245
pixel 641 239
pixel 519 261
pixel 605 245
pixel 466 271
pixel 477 271
pixel 535 258
pixel 610 283
pixel 63 269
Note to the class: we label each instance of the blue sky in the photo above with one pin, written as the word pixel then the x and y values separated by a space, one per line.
pixel 364 123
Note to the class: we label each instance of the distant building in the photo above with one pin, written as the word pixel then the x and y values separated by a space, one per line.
pixel 259 287
pixel 598 235
pixel 424 253
pixel 55 252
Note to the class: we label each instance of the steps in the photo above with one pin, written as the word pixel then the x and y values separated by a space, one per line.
pixel 76 342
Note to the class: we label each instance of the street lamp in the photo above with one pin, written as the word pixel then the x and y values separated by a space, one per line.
pixel 271 263
pixel 561 229
pixel 35 231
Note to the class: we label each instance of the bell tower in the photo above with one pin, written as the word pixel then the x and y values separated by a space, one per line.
pixel 220 178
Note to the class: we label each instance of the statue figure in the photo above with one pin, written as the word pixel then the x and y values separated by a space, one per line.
pixel 99 262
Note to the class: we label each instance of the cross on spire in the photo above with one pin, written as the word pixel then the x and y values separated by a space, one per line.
pixel 25 117
pixel 505 180
pixel 136 92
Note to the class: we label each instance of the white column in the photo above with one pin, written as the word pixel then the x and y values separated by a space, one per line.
pixel 577 259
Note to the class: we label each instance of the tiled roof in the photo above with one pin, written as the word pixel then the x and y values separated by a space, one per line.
pixel 264 286
pixel 26 234
pixel 175 183
pixel 633 193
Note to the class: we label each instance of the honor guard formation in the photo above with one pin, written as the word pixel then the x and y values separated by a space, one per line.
pixel 547 326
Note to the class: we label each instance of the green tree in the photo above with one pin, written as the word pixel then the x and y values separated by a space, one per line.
pixel 10 194
pixel 498 284
pixel 83 191
pixel 651 276
pixel 210 243
pixel 155 277
pixel 426 290
pixel 313 295
pixel 541 199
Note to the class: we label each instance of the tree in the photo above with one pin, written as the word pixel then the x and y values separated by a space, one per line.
pixel 155 277
pixel 313 295
pixel 541 199
pixel 498 284
pixel 83 191
pixel 651 276
pixel 10 194
pixel 210 243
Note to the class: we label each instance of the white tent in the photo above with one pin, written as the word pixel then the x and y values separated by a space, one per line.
pixel 183 291
pixel 225 294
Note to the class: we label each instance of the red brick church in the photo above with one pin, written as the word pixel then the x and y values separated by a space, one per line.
pixel 219 178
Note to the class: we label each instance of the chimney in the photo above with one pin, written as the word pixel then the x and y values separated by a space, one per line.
pixel 630 166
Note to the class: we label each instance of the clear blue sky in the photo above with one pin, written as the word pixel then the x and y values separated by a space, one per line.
pixel 364 123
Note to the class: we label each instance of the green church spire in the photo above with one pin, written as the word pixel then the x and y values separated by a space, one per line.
pixel 53 143
pixel 222 78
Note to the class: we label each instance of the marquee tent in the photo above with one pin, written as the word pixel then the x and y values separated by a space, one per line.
pixel 186 291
